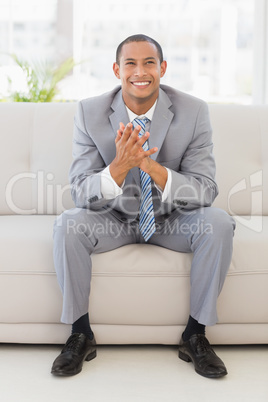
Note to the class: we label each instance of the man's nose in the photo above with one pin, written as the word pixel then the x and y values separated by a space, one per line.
pixel 140 70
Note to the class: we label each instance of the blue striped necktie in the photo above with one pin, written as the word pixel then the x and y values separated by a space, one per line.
pixel 147 221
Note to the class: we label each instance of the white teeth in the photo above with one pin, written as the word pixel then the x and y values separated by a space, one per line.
pixel 141 83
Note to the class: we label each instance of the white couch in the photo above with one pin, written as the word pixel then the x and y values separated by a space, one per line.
pixel 128 304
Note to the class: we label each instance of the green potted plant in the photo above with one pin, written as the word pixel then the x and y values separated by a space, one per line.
pixel 41 80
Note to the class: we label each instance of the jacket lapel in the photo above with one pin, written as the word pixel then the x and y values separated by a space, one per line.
pixel 120 112
pixel 108 131
pixel 161 121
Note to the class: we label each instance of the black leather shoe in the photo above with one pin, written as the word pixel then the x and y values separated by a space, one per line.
pixel 200 352
pixel 77 349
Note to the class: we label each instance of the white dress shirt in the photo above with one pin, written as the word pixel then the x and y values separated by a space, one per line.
pixel 109 187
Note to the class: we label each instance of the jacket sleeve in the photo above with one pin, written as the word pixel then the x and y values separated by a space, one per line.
pixel 85 171
pixel 193 184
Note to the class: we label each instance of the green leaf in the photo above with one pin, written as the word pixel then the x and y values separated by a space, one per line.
pixel 41 79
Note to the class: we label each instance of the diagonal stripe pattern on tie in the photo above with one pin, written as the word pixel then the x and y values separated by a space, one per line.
pixel 147 220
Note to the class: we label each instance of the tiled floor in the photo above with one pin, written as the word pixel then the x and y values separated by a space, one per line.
pixel 132 374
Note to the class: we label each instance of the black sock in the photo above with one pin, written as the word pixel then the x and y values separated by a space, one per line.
pixel 193 327
pixel 82 326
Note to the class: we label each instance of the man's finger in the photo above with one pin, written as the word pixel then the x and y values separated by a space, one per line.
pixel 119 136
pixel 127 132
pixel 150 152
pixel 134 136
pixel 121 126
pixel 143 139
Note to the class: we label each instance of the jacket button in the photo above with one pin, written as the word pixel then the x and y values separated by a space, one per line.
pixel 93 199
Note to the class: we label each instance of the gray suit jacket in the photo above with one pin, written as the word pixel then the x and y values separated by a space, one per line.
pixel 181 130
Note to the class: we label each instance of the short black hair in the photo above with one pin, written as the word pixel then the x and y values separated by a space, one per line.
pixel 139 38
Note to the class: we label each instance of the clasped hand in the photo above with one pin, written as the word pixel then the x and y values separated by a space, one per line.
pixel 129 154
pixel 129 151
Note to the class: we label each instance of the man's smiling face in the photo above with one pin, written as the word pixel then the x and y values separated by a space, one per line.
pixel 140 71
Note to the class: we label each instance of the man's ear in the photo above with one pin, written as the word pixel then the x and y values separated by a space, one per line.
pixel 116 69
pixel 163 68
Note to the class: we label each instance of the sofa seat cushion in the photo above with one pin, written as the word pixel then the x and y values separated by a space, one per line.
pixel 244 298
pixel 160 293
pixel 28 284
pixel 133 285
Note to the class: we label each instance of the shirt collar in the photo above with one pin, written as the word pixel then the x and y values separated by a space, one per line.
pixel 148 114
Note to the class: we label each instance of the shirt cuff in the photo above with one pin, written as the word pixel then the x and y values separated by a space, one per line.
pixel 109 188
pixel 167 188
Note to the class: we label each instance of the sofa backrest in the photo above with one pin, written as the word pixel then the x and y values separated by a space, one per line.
pixel 240 136
pixel 36 153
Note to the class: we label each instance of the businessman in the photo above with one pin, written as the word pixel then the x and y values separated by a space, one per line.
pixel 143 169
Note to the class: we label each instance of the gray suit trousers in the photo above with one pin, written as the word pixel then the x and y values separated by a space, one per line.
pixel 205 232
